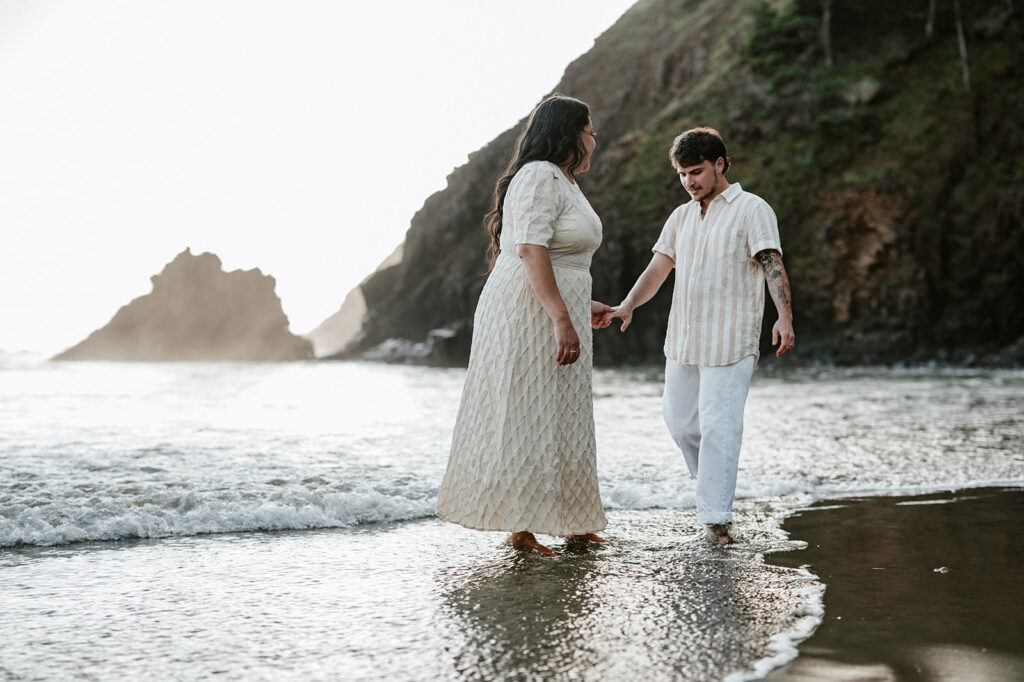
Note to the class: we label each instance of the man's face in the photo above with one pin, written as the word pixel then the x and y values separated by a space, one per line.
pixel 700 180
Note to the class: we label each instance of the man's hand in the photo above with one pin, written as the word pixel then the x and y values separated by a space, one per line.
pixel 598 315
pixel 624 313
pixel 645 288
pixel 783 331
pixel 778 286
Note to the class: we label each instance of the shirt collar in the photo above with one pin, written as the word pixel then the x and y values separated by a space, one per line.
pixel 731 192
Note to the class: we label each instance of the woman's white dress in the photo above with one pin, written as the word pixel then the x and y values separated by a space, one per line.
pixel 523 454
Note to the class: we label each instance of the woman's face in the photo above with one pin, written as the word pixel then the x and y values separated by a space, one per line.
pixel 589 140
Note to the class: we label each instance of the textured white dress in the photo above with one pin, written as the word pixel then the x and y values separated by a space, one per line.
pixel 523 454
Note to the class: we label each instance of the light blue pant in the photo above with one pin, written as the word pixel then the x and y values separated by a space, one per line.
pixel 703 408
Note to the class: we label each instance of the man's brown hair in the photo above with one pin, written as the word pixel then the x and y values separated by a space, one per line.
pixel 697 145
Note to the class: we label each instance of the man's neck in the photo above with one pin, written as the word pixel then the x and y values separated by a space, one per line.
pixel 719 188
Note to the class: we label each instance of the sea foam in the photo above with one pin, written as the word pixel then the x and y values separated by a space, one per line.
pixel 96 451
pixel 122 517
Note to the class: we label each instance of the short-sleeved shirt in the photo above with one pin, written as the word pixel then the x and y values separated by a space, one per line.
pixel 718 299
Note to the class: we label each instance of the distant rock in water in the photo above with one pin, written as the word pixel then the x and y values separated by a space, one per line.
pixel 198 312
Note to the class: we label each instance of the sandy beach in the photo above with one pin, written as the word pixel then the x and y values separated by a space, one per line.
pixel 918 588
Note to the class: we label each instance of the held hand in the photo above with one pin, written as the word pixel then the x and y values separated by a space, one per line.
pixel 567 343
pixel 624 313
pixel 783 331
pixel 598 319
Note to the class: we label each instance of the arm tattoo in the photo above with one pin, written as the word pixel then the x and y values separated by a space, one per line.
pixel 775 275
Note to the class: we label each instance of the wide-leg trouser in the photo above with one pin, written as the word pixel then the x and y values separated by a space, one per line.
pixel 703 408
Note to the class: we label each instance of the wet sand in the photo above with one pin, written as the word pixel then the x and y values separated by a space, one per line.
pixel 918 588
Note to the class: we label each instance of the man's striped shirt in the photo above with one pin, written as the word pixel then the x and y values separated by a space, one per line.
pixel 718 300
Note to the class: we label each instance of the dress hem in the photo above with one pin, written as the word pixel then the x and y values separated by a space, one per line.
pixel 559 534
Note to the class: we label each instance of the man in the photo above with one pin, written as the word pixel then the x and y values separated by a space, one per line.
pixel 724 244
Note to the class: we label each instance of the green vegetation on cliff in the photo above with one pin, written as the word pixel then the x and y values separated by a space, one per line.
pixel 894 184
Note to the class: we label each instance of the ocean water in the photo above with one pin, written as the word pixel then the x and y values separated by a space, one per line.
pixel 116 480
pixel 106 451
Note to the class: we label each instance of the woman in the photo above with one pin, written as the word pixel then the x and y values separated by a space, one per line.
pixel 523 455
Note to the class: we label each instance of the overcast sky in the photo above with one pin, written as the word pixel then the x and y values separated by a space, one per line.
pixel 296 136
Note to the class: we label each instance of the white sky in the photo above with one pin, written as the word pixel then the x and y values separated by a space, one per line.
pixel 297 136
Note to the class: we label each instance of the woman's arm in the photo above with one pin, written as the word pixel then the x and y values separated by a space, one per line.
pixel 542 278
pixel 645 288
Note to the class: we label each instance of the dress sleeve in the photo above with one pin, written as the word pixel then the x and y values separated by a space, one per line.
pixel 666 243
pixel 763 230
pixel 533 204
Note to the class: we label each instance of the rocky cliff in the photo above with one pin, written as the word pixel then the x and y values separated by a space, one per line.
pixel 198 312
pixel 886 136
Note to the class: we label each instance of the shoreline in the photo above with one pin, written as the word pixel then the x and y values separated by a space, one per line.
pixel 768 363
pixel 834 589
pixel 421 599
pixel 914 586
pixel 784 506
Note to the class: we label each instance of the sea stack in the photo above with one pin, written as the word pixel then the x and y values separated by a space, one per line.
pixel 198 312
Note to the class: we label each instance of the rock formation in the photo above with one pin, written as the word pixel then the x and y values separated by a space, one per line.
pixel 198 312
pixel 334 333
pixel 894 184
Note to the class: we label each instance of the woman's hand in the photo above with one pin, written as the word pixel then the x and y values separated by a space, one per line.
pixel 567 342
pixel 598 319
pixel 542 278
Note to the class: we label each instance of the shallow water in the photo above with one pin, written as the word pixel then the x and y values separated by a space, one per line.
pixel 199 454
pixel 411 601
pixel 106 451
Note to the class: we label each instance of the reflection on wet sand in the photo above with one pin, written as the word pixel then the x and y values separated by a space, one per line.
pixel 519 615
pixel 924 587
pixel 666 606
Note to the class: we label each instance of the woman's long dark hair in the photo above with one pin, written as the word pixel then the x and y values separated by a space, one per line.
pixel 552 134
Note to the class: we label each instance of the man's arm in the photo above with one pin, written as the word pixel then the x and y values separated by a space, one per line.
pixel 778 287
pixel 645 288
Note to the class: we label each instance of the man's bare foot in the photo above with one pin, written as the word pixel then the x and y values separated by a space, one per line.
pixel 593 537
pixel 720 533
pixel 526 540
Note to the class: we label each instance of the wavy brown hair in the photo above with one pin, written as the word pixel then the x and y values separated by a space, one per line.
pixel 552 134
pixel 697 145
